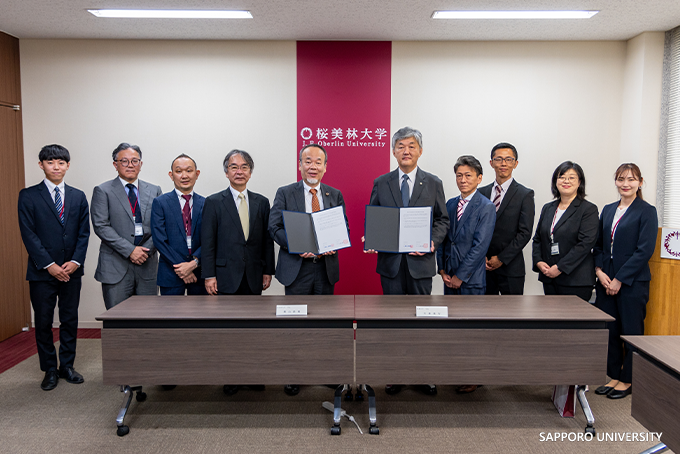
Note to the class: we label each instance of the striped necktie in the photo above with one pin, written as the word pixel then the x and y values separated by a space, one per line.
pixel 497 198
pixel 58 204
pixel 461 204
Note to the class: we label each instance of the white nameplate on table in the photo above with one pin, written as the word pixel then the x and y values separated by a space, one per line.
pixel 432 311
pixel 291 310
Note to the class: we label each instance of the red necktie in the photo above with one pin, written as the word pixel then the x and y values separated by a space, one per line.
pixel 186 214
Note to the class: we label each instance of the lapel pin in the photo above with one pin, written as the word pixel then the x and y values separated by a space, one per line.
pixel 328 193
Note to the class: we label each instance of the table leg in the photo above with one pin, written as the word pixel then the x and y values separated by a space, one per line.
pixel 337 409
pixel 656 449
pixel 373 429
pixel 127 399
pixel 581 393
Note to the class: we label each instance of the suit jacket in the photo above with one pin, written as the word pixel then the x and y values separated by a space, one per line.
pixel 169 236
pixel 292 198
pixel 576 234
pixel 463 251
pixel 634 242
pixel 225 252
pixel 114 225
pixel 428 190
pixel 45 238
pixel 514 223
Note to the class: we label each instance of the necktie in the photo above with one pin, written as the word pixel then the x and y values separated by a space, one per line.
pixel 404 192
pixel 497 198
pixel 134 206
pixel 186 214
pixel 243 214
pixel 461 204
pixel 315 201
pixel 58 204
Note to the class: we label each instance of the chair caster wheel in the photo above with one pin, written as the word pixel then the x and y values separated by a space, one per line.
pixel 140 396
pixel 374 430
pixel 122 431
pixel 335 430
pixel 359 397
pixel 590 430
pixel 349 397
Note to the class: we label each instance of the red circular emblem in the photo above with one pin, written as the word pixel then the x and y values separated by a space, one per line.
pixel 672 243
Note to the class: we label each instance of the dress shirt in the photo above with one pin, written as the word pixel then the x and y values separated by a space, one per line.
pixel 308 196
pixel 234 194
pixel 182 200
pixel 411 180
pixel 467 199
pixel 62 192
pixel 127 190
pixel 504 189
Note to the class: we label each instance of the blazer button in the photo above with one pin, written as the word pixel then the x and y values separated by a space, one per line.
pixel 244 259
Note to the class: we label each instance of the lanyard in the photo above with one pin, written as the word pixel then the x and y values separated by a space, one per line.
pixel 614 229
pixel 133 208
pixel 552 226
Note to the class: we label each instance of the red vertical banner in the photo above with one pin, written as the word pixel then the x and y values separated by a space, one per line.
pixel 343 104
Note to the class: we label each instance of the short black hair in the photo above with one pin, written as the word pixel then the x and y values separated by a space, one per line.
pixel 564 168
pixel 54 151
pixel 470 161
pixel 502 145
pixel 183 156
pixel 125 146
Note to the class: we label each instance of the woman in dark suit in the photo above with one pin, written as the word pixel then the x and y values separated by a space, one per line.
pixel 625 243
pixel 566 233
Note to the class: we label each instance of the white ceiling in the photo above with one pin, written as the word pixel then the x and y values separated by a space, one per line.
pixel 391 20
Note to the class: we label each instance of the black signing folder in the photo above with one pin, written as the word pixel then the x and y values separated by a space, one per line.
pixel 318 232
pixel 393 229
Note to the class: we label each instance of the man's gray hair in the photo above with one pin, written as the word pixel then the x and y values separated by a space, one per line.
pixel 313 145
pixel 470 161
pixel 405 133
pixel 244 154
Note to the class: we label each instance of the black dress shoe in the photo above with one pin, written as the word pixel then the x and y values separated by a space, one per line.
pixel 169 387
pixel 50 381
pixel 230 390
pixel 70 375
pixel 619 394
pixel 291 390
pixel 604 389
pixel 256 387
pixel 467 389
pixel 430 390
pixel 392 389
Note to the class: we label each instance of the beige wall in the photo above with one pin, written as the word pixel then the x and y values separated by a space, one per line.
pixel 554 100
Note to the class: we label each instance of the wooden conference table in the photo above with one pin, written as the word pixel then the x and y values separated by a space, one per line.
pixel 199 340
pixel 656 397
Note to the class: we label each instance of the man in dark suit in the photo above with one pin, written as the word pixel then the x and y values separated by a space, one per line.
pixel 408 185
pixel 461 257
pixel 121 209
pixel 515 209
pixel 55 228
pixel 237 252
pixel 176 231
pixel 306 274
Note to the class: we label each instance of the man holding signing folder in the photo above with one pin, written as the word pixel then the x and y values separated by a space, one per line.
pixel 306 273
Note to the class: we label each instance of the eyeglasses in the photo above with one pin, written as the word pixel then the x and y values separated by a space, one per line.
pixel 234 168
pixel 508 160
pixel 571 179
pixel 126 162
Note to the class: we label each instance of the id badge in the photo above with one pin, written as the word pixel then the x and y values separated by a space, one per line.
pixel 555 249
pixel 189 242
pixel 139 230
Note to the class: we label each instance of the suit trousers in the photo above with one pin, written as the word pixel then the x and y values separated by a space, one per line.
pixel 197 288
pixel 312 279
pixel 405 284
pixel 629 308
pixel 585 292
pixel 44 296
pixel 243 288
pixel 505 285
pixel 131 284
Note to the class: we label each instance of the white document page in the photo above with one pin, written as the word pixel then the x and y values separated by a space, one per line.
pixel 331 230
pixel 415 229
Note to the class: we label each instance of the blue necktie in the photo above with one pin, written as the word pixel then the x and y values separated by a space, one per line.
pixel 58 204
pixel 136 211
pixel 404 191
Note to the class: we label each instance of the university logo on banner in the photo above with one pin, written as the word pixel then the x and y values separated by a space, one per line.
pixel 670 243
